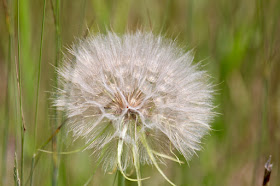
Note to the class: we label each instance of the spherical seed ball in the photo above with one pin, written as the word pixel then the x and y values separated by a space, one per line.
pixel 134 98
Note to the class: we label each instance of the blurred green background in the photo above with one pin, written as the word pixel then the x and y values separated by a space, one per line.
pixel 237 42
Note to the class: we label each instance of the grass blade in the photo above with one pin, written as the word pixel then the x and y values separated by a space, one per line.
pixel 7 120
pixel 37 92
pixel 56 14
pixel 18 74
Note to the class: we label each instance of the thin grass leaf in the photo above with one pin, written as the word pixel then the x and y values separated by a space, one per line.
pixel 37 93
pixel 58 48
pixel 18 74
pixel 7 120
pixel 77 150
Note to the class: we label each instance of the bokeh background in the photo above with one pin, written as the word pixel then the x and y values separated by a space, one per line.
pixel 236 41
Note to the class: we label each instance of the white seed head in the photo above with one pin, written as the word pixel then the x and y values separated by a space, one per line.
pixel 134 98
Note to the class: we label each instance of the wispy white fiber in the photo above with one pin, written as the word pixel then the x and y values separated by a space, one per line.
pixel 135 99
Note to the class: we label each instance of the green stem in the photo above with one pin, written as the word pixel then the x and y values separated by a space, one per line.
pixel 58 47
pixel 121 179
pixel 7 121
pixel 21 121
pixel 7 124
pixel 136 154
pixel 37 93
pixel 39 74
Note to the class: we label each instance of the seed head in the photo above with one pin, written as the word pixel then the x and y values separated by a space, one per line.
pixel 134 99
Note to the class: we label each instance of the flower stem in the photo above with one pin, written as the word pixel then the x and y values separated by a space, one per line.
pixel 121 179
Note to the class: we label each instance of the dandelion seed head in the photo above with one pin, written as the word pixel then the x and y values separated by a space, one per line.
pixel 133 92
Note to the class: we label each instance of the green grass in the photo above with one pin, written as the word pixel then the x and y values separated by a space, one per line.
pixel 37 96
pixel 7 103
pixel 237 42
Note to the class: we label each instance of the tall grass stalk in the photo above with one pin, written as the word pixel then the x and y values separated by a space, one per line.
pixel 58 48
pixel 18 72
pixel 37 94
pixel 39 75
pixel 6 128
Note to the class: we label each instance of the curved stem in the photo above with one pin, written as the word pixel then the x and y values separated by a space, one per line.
pixel 120 149
pixel 151 155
